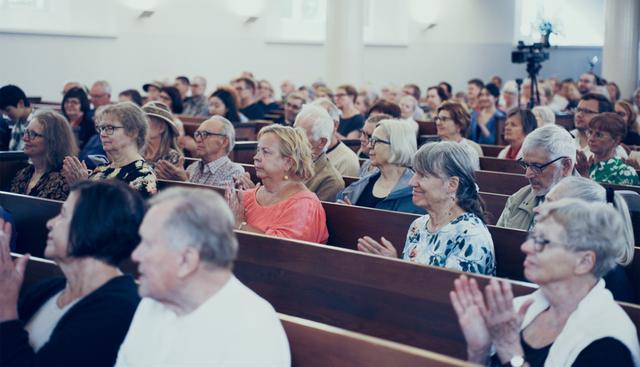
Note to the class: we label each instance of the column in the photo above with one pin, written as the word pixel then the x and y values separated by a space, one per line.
pixel 344 45
pixel 621 39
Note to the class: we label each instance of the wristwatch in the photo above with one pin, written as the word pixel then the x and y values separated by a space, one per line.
pixel 516 361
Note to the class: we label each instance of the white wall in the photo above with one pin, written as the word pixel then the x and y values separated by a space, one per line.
pixel 472 39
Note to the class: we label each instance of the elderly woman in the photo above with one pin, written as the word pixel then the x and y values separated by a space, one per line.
pixel 282 206
pixel 544 115
pixel 453 234
pixel 76 108
pixel 79 319
pixel 391 146
pixel 265 94
pixel 483 125
pixel 583 188
pixel 123 129
pixel 606 131
pixel 351 120
pixel 625 110
pixel 367 130
pixel 410 111
pixel 572 319
pixel 519 124
pixel 47 141
pixel 452 122
pixel 162 138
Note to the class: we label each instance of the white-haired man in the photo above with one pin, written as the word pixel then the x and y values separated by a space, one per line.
pixel 319 127
pixel 548 155
pixel 194 311
pixel 100 94
pixel 196 104
pixel 341 156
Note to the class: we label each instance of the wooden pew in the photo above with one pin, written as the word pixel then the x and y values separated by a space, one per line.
pixel 500 165
pixel 426 128
pixel 353 144
pixel 491 150
pixel 565 120
pixel 10 163
pixel 339 287
pixel 312 343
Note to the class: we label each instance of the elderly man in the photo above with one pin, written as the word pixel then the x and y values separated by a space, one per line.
pixel 341 156
pixel 15 104
pixel 249 105
pixel 196 105
pixel 100 94
pixel 292 106
pixel 318 125
pixel 215 139
pixel 194 311
pixel 548 155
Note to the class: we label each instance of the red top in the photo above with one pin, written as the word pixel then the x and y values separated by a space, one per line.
pixel 300 217
pixel 512 153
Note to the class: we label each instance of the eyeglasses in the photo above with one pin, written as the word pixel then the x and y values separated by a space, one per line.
pixel 32 134
pixel 292 106
pixel 203 134
pixel 107 129
pixel 443 119
pixel 373 141
pixel 364 133
pixel 338 95
pixel 539 242
pixel 585 111
pixel 535 167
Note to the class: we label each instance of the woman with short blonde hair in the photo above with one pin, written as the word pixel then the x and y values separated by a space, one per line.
pixel 281 205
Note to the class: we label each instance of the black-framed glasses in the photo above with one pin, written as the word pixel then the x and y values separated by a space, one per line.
pixel 203 134
pixel 373 141
pixel 365 134
pixel 107 129
pixel 537 168
pixel 539 242
pixel 32 134
pixel 598 134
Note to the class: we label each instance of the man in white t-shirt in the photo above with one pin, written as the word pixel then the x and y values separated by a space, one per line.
pixel 194 311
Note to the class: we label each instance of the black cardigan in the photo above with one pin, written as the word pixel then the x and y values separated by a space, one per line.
pixel 88 334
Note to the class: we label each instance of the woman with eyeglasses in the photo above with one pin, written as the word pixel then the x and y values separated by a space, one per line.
pixel 452 123
pixel 48 139
pixel 391 147
pixel 351 120
pixel 606 131
pixel 123 130
pixel 453 234
pixel 571 319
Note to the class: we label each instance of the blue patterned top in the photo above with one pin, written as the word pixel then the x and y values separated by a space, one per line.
pixel 463 244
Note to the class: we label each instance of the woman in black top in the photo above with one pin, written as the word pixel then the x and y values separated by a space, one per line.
pixel 351 120
pixel 82 318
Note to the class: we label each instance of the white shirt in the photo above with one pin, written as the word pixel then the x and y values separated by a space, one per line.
pixel 235 327
pixel 45 320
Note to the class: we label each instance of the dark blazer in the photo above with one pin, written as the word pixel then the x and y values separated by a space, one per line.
pixel 89 333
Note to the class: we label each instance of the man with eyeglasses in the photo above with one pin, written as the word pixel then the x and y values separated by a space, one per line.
pixel 589 106
pixel 292 105
pixel 215 139
pixel 15 105
pixel 100 94
pixel 548 155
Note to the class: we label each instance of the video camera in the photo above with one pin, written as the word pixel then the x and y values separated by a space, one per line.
pixel 530 53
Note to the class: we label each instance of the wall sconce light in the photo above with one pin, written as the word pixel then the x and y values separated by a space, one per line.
pixel 249 9
pixel 425 12
pixel 145 7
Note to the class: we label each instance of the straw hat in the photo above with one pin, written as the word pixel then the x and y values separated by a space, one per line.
pixel 154 83
pixel 161 111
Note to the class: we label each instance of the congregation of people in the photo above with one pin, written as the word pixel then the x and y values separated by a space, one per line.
pixel 107 160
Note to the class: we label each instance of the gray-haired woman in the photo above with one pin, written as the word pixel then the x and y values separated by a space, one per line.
pixel 572 319
pixel 453 234
pixel 590 191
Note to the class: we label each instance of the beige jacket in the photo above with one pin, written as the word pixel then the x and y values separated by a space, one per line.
pixel 344 160
pixel 518 212
pixel 327 181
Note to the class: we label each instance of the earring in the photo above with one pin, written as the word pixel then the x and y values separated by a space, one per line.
pixel 286 177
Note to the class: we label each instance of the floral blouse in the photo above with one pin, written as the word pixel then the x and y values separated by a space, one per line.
pixel 138 174
pixel 51 185
pixel 463 244
pixel 614 171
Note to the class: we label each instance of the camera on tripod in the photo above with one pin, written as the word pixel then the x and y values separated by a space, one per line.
pixel 533 53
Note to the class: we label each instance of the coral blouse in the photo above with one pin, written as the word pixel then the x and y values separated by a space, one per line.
pixel 300 217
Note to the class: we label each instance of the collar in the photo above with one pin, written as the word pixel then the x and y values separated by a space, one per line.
pixel 213 165
pixel 331 149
